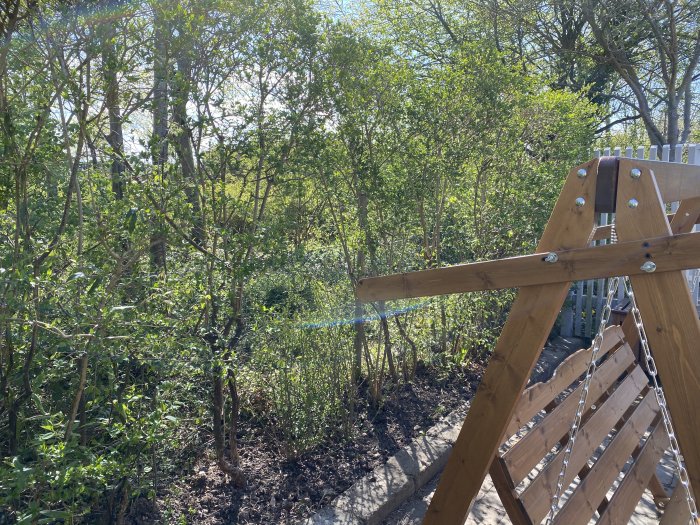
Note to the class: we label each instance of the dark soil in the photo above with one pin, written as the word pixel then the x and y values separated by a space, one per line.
pixel 281 491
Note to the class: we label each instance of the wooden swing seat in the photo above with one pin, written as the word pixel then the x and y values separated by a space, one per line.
pixel 622 435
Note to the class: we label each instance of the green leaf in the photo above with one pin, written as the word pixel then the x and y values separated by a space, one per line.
pixel 94 285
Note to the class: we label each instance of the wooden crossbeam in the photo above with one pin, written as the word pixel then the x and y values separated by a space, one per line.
pixel 669 253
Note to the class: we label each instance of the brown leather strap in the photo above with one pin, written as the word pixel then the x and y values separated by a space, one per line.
pixel 606 185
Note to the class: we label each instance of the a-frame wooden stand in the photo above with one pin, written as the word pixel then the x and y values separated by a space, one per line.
pixel 671 320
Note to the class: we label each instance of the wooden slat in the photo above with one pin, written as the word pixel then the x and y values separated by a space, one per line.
pixel 582 475
pixel 530 450
pixel 677 252
pixel 538 396
pixel 630 491
pixel 506 492
pixel 677 511
pixel 531 318
pixel 591 435
pixel 592 490
pixel 670 318
pixel 687 216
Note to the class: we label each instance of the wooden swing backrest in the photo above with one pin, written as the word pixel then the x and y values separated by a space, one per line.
pixel 621 431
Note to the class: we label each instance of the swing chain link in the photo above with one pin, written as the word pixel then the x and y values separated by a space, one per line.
pixel 683 477
pixel 585 386
pixel 693 284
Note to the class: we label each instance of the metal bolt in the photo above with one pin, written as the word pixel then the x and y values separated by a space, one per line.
pixel 582 173
pixel 635 173
pixel 551 257
pixel 580 201
pixel 632 203
pixel 648 267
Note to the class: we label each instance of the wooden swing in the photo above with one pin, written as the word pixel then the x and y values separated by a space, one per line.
pixel 621 411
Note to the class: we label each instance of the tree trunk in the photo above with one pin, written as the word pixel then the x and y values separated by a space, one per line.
pixel 183 145
pixel 218 414
pixel 358 342
pixel 82 379
pixel 115 138
pixel 159 142
pixel 360 269
pixel 412 344
pixel 233 418
pixel 387 342
pixel 12 429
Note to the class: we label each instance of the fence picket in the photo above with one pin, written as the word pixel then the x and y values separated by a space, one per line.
pixel 666 153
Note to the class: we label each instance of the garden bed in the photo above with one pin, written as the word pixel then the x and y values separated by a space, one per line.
pixel 280 490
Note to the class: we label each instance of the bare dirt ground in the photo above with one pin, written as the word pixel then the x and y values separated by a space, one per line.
pixel 284 491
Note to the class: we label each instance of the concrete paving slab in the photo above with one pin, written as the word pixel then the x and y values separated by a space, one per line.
pixel 375 496
pixel 332 516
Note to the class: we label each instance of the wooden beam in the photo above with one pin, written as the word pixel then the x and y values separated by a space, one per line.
pixel 531 318
pixel 676 181
pixel 669 316
pixel 506 491
pixel 670 253
pixel 687 216
pixel 677 511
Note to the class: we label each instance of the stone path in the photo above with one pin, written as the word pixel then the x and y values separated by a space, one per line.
pixel 554 353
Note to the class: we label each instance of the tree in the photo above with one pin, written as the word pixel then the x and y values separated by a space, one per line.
pixel 659 71
pixel 639 59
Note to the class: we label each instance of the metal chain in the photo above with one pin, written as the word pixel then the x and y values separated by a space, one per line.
pixel 693 284
pixel 661 399
pixel 575 426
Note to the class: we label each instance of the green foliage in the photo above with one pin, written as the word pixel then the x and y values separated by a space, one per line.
pixel 150 307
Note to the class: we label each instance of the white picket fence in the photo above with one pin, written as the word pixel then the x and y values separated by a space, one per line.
pixel 581 315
